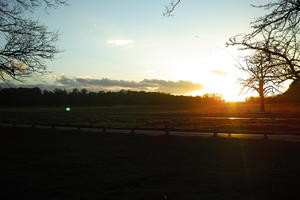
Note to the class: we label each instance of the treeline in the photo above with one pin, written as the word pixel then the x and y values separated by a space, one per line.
pixel 10 97
pixel 292 95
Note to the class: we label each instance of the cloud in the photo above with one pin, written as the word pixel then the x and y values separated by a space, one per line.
pixel 38 85
pixel 220 73
pixel 105 84
pixel 173 87
pixel 120 42
pixel 90 82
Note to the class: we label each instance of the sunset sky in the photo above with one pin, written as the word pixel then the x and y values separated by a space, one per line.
pixel 129 44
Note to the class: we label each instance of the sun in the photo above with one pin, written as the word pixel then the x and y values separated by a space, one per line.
pixel 217 74
pixel 229 94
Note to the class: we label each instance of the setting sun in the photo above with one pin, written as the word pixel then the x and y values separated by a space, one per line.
pixel 228 93
pixel 216 72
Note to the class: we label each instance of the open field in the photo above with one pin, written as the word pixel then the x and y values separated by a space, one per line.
pixel 222 118
pixel 48 164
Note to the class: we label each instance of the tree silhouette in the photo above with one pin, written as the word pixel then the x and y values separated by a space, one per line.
pixel 284 15
pixel 275 35
pixel 260 76
pixel 58 97
pixel 25 43
pixel 282 49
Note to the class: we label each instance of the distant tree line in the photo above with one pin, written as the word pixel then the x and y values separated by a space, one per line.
pixel 11 97
pixel 292 95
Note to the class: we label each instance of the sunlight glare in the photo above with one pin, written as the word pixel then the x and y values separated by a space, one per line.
pixel 203 70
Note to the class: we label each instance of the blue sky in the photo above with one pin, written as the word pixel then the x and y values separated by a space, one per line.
pixel 130 40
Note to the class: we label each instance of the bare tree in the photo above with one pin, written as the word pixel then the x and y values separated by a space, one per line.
pixel 274 36
pixel 260 76
pixel 25 43
pixel 282 49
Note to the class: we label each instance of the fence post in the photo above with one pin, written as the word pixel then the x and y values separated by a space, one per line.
pixel 229 134
pixel 274 128
pixel 215 134
pixel 265 136
pixel 167 131
pixel 132 131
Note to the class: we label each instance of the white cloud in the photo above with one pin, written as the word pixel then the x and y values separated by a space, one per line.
pixel 120 42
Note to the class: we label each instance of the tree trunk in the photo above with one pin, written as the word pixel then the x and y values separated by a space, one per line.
pixel 262 103
pixel 261 95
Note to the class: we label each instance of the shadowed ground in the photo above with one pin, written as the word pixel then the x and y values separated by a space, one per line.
pixel 49 164
pixel 222 118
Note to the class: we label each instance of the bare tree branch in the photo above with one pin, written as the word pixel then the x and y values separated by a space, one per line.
pixel 283 15
pixel 282 49
pixel 25 43
pixel 171 7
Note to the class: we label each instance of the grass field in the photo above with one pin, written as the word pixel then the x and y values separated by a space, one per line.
pixel 48 164
pixel 184 117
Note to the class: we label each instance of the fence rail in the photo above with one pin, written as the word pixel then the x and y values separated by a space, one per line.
pixel 165 131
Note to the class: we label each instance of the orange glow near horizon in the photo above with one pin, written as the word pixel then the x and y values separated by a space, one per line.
pixel 228 97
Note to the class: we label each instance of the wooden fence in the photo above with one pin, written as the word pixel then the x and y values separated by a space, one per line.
pixel 165 131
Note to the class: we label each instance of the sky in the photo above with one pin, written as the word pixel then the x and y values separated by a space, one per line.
pixel 129 44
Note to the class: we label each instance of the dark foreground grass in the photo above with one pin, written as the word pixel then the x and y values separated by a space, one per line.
pixel 49 164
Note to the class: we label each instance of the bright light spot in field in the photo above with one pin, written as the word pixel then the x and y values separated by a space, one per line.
pixel 68 109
